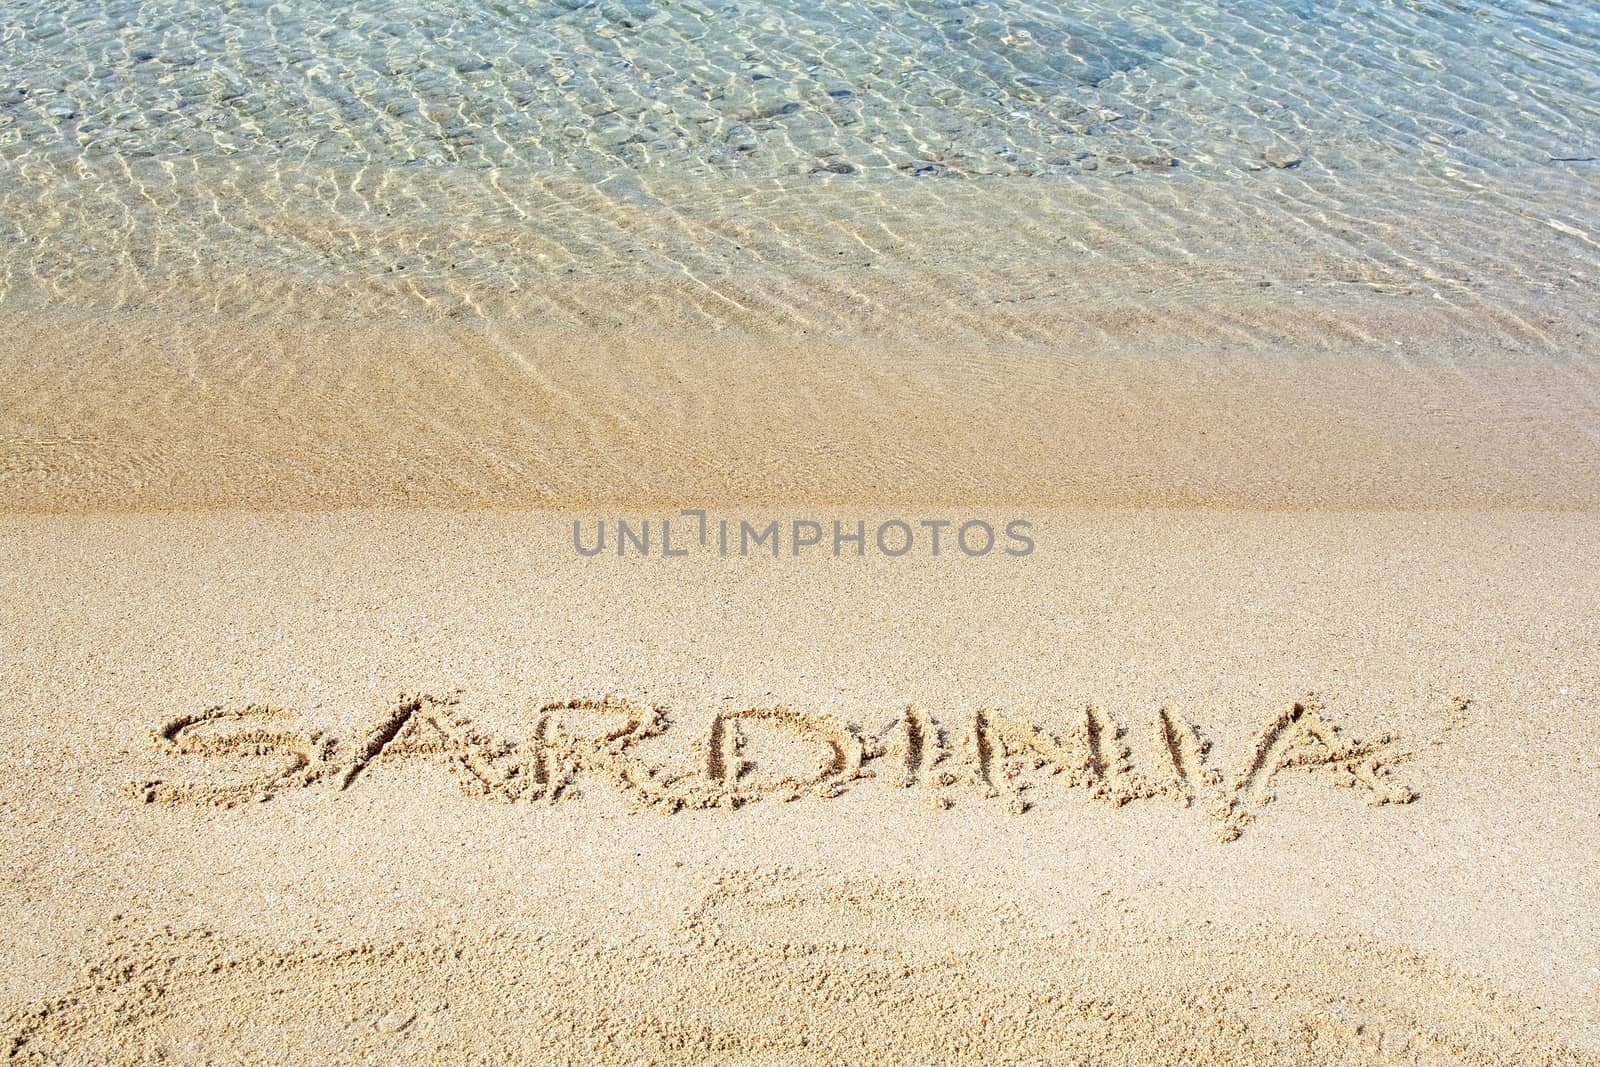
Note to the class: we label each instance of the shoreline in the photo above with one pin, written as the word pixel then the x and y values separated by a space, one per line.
pixel 129 413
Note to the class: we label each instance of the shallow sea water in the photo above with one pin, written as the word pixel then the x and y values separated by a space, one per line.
pixel 786 164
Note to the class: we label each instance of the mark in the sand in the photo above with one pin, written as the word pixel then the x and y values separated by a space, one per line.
pixel 1299 736
pixel 301 757
pixel 997 756
pixel 779 965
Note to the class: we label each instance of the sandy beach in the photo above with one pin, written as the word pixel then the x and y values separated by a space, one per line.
pixel 1231 787
pixel 756 533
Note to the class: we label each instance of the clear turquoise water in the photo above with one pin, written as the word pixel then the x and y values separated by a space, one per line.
pixel 158 152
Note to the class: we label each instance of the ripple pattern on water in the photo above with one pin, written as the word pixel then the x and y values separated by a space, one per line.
pixel 746 162
pixel 789 86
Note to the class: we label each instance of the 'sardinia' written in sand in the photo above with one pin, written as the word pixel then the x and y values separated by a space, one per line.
pixel 989 754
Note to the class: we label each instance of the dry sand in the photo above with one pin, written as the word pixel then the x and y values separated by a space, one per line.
pixel 1279 747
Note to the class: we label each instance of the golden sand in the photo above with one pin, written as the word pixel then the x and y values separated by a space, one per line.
pixel 1221 787
pixel 777 966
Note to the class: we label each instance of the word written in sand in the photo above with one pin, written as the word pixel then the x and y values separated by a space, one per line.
pixel 991 755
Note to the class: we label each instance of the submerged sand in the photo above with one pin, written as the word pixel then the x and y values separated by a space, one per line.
pixel 1229 787
pixel 1257 404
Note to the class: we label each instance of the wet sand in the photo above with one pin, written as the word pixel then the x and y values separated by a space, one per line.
pixel 1306 405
